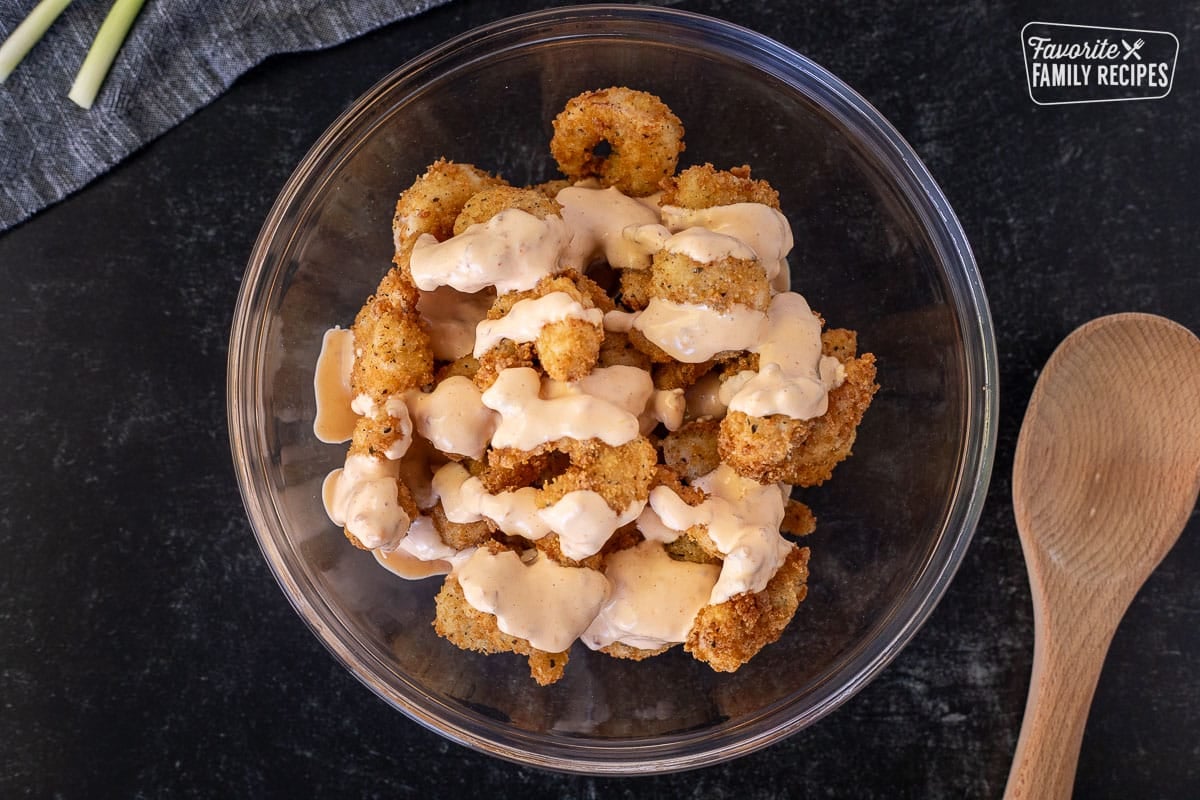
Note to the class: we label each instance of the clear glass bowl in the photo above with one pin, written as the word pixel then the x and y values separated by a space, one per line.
pixel 878 250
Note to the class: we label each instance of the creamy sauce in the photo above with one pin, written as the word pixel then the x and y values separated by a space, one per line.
pixel 416 470
pixel 764 229
pixel 582 519
pixel 542 602
pixel 452 316
pixel 695 333
pixel 651 526
pixel 512 251
pixel 453 417
pixel 421 553
pixel 793 379
pixel 653 601
pixel 705 246
pixel 742 518
pixel 361 497
pixel 666 406
pixel 703 398
pixel 526 318
pixel 335 419
pixel 620 321
pixel 528 420
pixel 598 217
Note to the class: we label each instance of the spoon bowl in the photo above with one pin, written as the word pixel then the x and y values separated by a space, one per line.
pixel 1105 476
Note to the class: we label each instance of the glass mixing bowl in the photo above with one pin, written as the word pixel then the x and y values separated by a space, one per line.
pixel 878 250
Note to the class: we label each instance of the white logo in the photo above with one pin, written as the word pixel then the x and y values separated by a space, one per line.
pixel 1088 64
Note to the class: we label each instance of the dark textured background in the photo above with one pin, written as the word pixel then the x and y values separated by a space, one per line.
pixel 145 650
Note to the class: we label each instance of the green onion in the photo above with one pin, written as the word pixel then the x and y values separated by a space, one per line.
pixel 104 49
pixel 28 33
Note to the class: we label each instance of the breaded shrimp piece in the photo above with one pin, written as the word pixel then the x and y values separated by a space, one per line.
pixel 435 199
pixel 392 351
pixel 635 288
pixel 705 186
pixel 729 634
pixel 459 535
pixel 839 343
pixel 778 449
pixel 617 350
pixel 487 203
pixel 505 355
pixel 719 284
pixel 691 451
pixel 381 435
pixel 363 444
pixel 621 475
pixel 622 539
pixel 798 519
pixel 463 367
pixel 509 468
pixel 679 374
pixel 397 286
pixel 471 629
pixel 567 349
pixel 644 135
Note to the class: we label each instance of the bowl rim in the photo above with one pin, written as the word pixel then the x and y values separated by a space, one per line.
pixel 672 752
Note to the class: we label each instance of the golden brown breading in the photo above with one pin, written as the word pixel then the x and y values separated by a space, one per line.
pixel 705 186
pixel 645 136
pixel 621 475
pixel 489 202
pixel 617 350
pixel 655 353
pixel 779 449
pixel 839 343
pixel 392 351
pixel 798 519
pixel 721 284
pixel 509 468
pixel 397 285
pixel 465 367
pixel 692 450
pixel 729 634
pixel 635 288
pixel 374 436
pixel 435 199
pixel 568 349
pixel 470 629
pixel 550 188
pixel 505 355
pixel 679 374
pixel 620 650
pixel 459 535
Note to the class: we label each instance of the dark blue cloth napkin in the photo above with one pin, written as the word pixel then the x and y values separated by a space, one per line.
pixel 180 55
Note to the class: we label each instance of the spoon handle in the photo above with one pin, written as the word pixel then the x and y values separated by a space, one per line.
pixel 1067 660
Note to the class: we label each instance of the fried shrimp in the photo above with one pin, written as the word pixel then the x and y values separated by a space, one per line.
pixel 706 186
pixel 393 353
pixel 644 135
pixel 567 348
pixel 729 634
pixel 434 201
pixel 471 629
pixel 487 203
pixel 592 403
pixel 800 452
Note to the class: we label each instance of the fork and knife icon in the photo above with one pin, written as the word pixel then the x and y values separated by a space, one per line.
pixel 1132 49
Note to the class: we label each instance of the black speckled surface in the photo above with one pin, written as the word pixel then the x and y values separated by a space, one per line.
pixel 146 651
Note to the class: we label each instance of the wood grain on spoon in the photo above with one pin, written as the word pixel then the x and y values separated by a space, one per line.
pixel 1106 474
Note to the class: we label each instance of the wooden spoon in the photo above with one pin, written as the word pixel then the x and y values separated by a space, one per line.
pixel 1106 473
